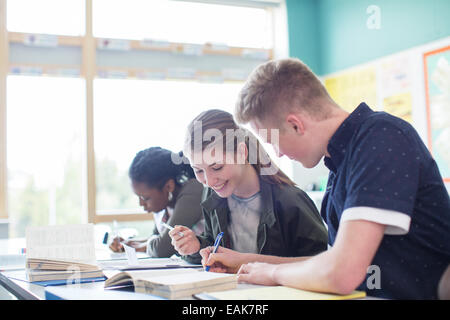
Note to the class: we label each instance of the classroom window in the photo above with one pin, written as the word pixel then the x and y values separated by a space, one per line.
pixel 131 115
pixel 45 119
pixel 46 16
pixel 185 22
pixel 53 175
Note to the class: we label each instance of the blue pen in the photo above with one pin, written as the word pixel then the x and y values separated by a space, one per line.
pixel 216 246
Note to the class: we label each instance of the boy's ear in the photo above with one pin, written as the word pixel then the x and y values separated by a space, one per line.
pixel 296 122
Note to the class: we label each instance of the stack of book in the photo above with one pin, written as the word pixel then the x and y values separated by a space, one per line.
pixel 61 254
pixel 39 270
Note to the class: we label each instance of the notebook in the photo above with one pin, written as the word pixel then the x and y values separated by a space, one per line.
pixel 144 264
pixel 173 283
pixel 277 293
pixel 133 263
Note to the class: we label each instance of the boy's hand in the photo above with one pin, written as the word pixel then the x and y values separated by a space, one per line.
pixel 258 273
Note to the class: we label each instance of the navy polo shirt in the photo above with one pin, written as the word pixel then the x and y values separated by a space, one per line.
pixel 379 161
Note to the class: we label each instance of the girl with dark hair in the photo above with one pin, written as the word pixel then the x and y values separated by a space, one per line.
pixel 168 190
pixel 257 207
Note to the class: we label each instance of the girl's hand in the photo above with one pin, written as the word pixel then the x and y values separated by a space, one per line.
pixel 116 245
pixel 186 244
pixel 224 260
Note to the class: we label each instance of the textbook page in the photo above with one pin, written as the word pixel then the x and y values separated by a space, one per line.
pixel 62 242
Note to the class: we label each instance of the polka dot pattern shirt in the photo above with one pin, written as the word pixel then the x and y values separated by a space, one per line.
pixel 379 161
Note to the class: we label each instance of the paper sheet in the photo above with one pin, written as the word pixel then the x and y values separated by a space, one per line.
pixel 131 255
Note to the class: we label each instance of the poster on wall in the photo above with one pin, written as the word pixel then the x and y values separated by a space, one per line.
pixel 396 82
pixel 399 105
pixel 351 88
pixel 437 94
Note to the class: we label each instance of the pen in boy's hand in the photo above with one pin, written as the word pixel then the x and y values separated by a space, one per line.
pixel 181 234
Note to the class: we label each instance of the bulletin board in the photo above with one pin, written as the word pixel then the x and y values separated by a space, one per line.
pixel 413 85
pixel 384 85
pixel 437 95
pixel 351 88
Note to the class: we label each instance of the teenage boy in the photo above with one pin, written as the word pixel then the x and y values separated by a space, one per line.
pixel 386 206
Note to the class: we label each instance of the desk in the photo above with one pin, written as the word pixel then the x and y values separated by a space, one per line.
pixel 5 294
pixel 11 261
pixel 28 291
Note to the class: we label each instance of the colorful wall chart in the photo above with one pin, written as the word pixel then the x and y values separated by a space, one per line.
pixel 396 82
pixel 351 88
pixel 437 93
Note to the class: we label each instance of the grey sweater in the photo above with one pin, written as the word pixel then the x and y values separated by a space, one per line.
pixel 186 212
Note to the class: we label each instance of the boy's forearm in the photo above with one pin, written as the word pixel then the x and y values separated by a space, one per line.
pixel 313 274
pixel 325 272
pixel 340 269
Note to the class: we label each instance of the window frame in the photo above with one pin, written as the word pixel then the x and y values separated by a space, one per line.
pixel 4 51
pixel 88 70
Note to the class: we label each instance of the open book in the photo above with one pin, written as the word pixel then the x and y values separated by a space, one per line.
pixel 64 252
pixel 173 283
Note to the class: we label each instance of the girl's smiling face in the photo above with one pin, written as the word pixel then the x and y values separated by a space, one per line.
pixel 220 175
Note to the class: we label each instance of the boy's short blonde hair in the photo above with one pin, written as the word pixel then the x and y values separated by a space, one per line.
pixel 280 86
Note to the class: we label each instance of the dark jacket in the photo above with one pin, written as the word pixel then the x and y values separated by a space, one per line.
pixel 290 225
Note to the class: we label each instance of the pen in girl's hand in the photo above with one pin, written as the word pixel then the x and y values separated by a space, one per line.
pixel 181 234
pixel 216 245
